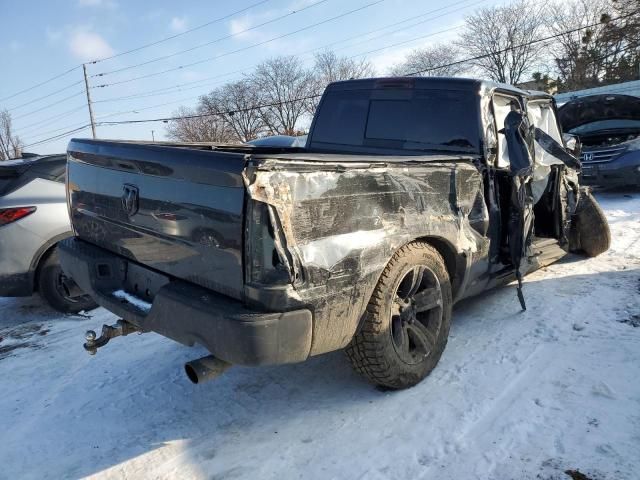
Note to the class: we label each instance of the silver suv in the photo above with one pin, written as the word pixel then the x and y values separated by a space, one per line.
pixel 33 219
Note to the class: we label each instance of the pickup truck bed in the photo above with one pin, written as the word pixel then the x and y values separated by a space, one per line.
pixel 182 242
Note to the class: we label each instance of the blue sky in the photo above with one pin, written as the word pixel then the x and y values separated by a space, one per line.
pixel 41 39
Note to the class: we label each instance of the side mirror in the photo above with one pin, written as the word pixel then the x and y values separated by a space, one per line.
pixel 572 143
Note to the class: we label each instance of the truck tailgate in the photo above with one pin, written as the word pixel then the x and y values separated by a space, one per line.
pixel 176 210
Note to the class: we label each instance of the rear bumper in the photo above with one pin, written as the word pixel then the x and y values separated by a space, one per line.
pixel 188 313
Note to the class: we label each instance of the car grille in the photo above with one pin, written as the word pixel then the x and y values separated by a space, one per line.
pixel 603 155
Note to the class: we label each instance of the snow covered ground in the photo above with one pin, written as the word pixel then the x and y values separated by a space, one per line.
pixel 515 396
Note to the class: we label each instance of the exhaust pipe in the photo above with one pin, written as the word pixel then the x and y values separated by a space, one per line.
pixel 205 368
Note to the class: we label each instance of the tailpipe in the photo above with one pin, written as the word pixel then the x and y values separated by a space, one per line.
pixel 205 369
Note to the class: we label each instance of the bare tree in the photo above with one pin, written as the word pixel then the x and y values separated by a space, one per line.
pixel 328 67
pixel 501 37
pixel 209 128
pixel 598 42
pixel 432 61
pixel 10 144
pixel 236 103
pixel 622 34
pixel 577 54
pixel 282 85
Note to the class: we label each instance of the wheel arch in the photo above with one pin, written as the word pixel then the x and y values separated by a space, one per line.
pixel 41 254
pixel 453 261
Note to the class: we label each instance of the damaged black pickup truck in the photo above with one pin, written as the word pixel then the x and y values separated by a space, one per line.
pixel 411 194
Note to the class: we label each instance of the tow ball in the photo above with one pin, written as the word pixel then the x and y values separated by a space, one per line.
pixel 120 329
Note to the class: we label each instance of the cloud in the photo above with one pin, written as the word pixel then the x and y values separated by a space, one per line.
pixel 178 24
pixel 97 3
pixel 88 45
pixel 53 35
pixel 190 75
pixel 251 21
pixel 239 25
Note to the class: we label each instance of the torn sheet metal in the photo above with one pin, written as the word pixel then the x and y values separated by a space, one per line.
pixel 342 222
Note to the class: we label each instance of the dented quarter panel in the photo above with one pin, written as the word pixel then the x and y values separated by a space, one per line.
pixel 343 221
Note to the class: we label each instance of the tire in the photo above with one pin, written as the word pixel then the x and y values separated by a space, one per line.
pixel 378 350
pixel 50 288
pixel 590 232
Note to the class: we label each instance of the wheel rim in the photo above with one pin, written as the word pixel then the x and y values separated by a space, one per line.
pixel 416 314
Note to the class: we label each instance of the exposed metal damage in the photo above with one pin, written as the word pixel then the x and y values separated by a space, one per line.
pixel 342 221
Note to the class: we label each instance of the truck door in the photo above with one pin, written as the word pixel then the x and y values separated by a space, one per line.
pixel 554 185
pixel 514 173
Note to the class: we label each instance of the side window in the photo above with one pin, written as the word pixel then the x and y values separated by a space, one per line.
pixel 502 105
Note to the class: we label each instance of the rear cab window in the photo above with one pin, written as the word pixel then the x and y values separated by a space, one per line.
pixel 405 120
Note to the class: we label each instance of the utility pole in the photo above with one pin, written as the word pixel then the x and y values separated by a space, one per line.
pixel 86 85
pixel 153 138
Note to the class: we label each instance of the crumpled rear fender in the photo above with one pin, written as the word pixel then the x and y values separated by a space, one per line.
pixel 342 223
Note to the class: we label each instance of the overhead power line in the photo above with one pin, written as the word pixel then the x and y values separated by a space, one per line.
pixel 180 67
pixel 28 89
pixel 22 130
pixel 407 41
pixel 408 19
pixel 231 112
pixel 166 39
pixel 113 114
pixel 168 90
pixel 136 49
pixel 166 119
pixel 522 45
pixel 71 85
pixel 206 44
pixel 56 137
pixel 59 129
pixel 179 87
pixel 50 105
pixel 213 114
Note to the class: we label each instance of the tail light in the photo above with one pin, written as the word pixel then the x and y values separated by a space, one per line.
pixel 263 262
pixel 10 215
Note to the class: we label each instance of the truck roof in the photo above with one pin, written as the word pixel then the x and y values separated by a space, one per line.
pixel 453 83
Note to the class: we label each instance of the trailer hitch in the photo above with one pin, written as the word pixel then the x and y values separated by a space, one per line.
pixel 120 329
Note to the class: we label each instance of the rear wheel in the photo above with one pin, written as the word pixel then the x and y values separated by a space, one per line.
pixel 590 232
pixel 406 324
pixel 59 291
